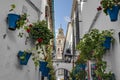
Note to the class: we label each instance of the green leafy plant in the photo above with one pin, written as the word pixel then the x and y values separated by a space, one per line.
pixel 22 21
pixel 23 56
pixel 40 36
pixel 78 75
pixel 39 32
pixel 91 48
pixel 109 4
pixel 50 63
pixel 107 33
pixel 13 6
pixel 36 51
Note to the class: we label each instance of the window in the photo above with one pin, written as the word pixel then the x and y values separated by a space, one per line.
pixel 58 49
pixel 59 41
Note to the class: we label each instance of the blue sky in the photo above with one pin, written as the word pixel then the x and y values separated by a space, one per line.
pixel 62 10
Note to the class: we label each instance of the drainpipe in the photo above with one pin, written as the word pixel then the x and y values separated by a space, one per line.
pixel 73 23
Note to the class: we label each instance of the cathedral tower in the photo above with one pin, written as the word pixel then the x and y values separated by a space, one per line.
pixel 59 43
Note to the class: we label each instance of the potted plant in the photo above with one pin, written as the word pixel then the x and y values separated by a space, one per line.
pixel 78 74
pixel 111 7
pixel 43 68
pixel 93 47
pixel 14 20
pixel 22 21
pixel 23 57
pixel 49 58
pixel 39 33
pixel 108 38
pixel 89 43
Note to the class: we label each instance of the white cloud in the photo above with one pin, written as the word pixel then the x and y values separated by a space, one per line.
pixel 67 19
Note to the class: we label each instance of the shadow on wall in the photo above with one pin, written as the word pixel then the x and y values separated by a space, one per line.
pixel 17 64
pixel 10 34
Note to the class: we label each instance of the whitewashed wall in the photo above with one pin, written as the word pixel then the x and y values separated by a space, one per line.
pixel 103 23
pixel 9 47
pixel 68 41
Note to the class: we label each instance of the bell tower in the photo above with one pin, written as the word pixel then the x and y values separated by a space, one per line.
pixel 59 43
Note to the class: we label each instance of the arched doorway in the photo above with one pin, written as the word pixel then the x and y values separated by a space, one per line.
pixel 62 74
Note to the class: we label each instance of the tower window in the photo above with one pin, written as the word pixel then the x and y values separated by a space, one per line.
pixel 58 49
pixel 59 41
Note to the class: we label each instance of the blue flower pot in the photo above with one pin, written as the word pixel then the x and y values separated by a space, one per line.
pixel 46 72
pixel 43 68
pixel 79 67
pixel 113 13
pixel 93 66
pixel 12 19
pixel 107 42
pixel 27 56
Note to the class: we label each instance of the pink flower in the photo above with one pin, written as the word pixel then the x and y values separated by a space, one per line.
pixel 39 40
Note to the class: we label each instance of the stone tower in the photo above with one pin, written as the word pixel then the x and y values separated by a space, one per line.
pixel 59 43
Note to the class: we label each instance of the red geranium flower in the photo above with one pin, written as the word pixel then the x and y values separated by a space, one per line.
pixel 30 25
pixel 39 40
pixel 28 30
pixel 99 8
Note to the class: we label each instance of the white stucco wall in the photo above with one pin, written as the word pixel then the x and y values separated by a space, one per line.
pixel 89 11
pixel 9 47
pixel 103 23
pixel 69 38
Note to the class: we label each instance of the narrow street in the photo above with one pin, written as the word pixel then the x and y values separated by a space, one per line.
pixel 60 40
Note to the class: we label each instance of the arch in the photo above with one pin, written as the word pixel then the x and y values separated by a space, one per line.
pixel 62 68
pixel 60 65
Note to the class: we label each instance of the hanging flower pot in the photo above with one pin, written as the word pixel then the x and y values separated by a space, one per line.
pixel 12 19
pixel 43 68
pixel 80 67
pixel 23 57
pixel 107 42
pixel 113 13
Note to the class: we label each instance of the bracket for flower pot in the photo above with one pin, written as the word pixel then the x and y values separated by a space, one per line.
pixel 26 57
pixel 113 13
pixel 43 68
pixel 107 42
pixel 12 19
